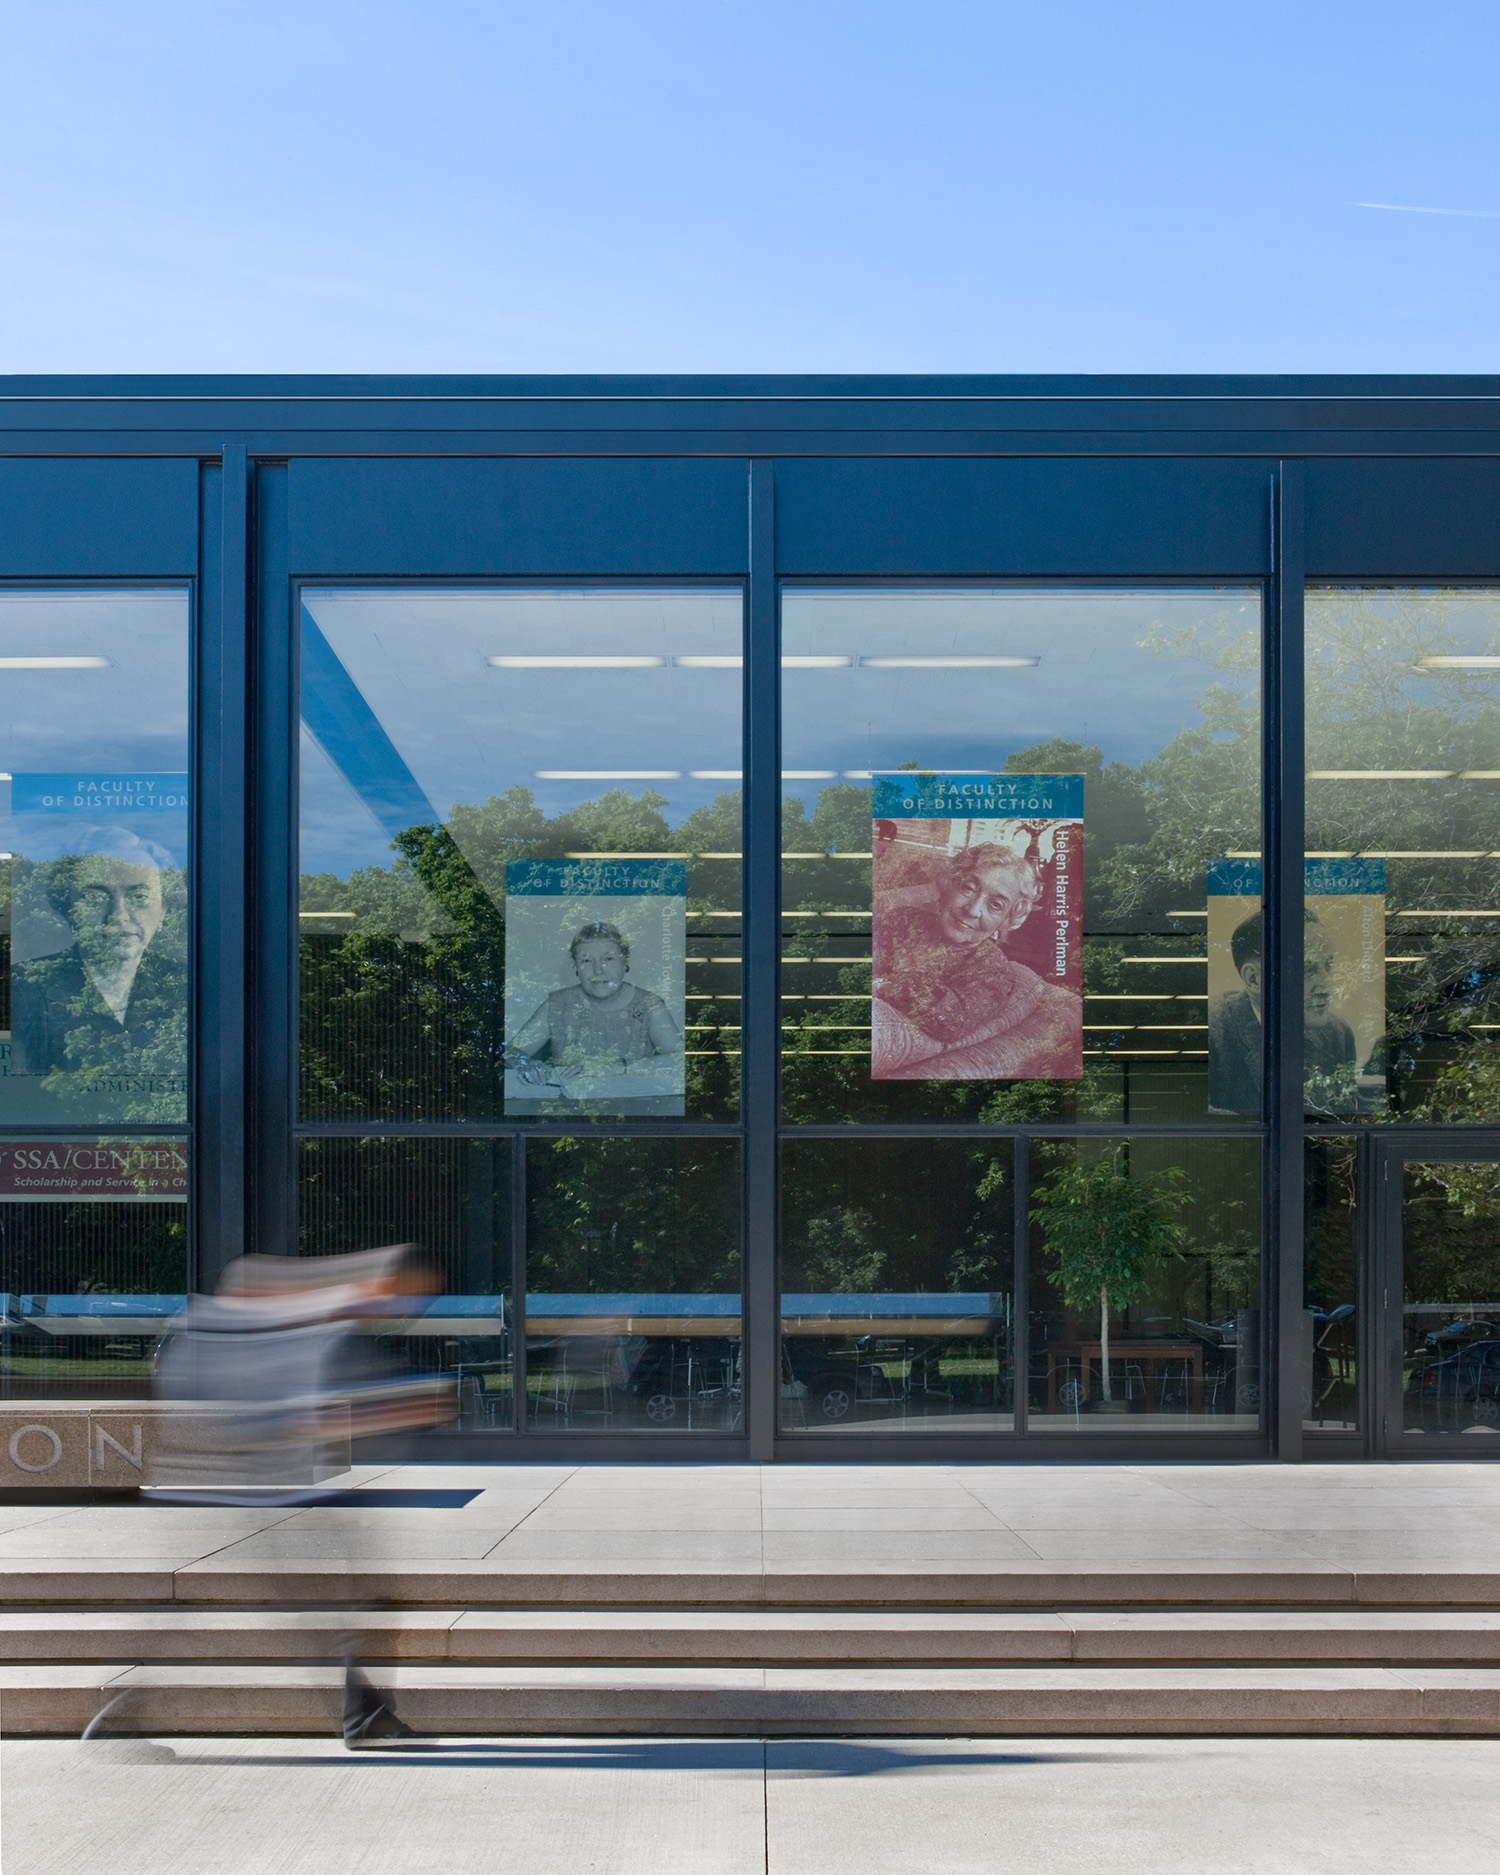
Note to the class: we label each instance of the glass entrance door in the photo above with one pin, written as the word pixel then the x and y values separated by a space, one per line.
pixel 1440 1293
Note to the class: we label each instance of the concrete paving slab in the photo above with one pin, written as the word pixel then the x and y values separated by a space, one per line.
pixel 607 1547
pixel 1163 1807
pixel 839 1516
pixel 1169 1544
pixel 304 1807
pixel 900 1546
pixel 365 1542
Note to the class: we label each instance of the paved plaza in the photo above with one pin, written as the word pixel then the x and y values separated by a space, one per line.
pixel 1254 1575
pixel 730 1807
pixel 750 1517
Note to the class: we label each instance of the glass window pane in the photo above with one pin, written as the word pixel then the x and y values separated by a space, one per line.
pixel 1330 1285
pixel 1403 931
pixel 93 1263
pixel 1145 1284
pixel 633 1285
pixel 520 852
pixel 94 795
pixel 1450 1301
pixel 1116 728
pixel 452 1197
pixel 896 1275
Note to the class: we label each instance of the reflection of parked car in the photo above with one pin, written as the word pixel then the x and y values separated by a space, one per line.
pixel 839 1375
pixel 685 1380
pixel 1466 1379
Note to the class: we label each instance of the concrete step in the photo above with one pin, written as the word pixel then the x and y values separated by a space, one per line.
pixel 224 1581
pixel 771 1701
pixel 494 1637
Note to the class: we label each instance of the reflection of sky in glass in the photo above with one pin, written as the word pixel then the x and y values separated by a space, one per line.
pixel 1093 681
pixel 126 717
pixel 431 714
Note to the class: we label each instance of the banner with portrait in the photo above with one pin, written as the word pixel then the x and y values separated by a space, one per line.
pixel 976 927
pixel 1343 986
pixel 595 987
pixel 98 979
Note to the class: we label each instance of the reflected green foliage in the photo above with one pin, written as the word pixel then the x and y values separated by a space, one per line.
pixel 1149 833
pixel 861 1216
pixel 1106 1231
pixel 1448 1224
pixel 624 1216
pixel 402 1003
pixel 1377 701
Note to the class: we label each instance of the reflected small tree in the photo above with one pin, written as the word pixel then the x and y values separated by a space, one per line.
pixel 1106 1232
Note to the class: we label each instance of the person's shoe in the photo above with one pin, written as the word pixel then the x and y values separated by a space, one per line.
pixel 380 1730
pixel 369 1722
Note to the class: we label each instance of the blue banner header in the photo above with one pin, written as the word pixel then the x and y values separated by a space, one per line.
pixel 921 794
pixel 95 793
pixel 596 878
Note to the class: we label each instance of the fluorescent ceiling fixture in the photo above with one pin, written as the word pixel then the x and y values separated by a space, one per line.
pixel 1381 774
pixel 725 663
pixel 1448 914
pixel 858 774
pixel 1231 854
pixel 809 774
pixel 1343 852
pixel 608 774
pixel 715 774
pixel 1480 774
pixel 948 664
pixel 1187 914
pixel 597 855
pixel 1163 960
pixel 54 664
pixel 1408 855
pixel 7 855
pixel 816 664
pixel 326 914
pixel 1459 664
pixel 601 661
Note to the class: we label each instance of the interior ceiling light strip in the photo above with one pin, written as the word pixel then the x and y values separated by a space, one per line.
pixel 54 664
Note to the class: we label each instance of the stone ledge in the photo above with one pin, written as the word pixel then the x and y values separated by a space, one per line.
pixel 753 1702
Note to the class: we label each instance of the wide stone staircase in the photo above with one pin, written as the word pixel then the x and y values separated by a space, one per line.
pixel 1112 1648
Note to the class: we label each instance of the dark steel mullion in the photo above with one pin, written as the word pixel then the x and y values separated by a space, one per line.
pixel 273 1152
pixel 760 1039
pixel 219 847
pixel 1284 766
pixel 1020 1337
pixel 518 1281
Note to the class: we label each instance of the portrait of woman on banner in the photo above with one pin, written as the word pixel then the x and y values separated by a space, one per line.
pixel 950 1001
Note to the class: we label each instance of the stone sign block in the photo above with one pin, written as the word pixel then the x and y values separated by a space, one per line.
pixel 42 1446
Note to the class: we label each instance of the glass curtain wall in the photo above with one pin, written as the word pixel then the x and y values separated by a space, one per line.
pixel 94 1040
pixel 519 911
pixel 1402 977
pixel 1020 840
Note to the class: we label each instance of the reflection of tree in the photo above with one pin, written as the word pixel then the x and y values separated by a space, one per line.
pixel 1372 703
pixel 913 1215
pixel 1448 1220
pixel 403 1003
pixel 623 1216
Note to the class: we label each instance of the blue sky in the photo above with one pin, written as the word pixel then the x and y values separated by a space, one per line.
pixel 794 185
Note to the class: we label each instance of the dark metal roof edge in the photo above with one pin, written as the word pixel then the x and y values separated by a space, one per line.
pixel 708 388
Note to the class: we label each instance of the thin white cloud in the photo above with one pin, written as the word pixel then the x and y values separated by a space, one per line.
pixel 1405 208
